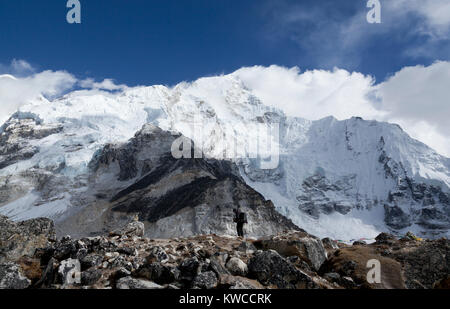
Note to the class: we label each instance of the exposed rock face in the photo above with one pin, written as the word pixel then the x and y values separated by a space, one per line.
pixel 11 277
pixel 17 135
pixel 308 248
pixel 23 238
pixel 173 197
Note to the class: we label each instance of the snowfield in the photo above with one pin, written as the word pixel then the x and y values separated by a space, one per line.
pixel 334 178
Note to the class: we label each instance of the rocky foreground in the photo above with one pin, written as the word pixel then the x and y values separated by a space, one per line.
pixel 32 257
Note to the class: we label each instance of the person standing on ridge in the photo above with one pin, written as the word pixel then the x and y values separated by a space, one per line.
pixel 240 218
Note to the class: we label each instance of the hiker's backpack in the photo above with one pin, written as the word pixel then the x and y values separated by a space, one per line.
pixel 242 217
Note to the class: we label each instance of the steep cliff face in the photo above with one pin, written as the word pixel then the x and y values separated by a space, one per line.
pixel 364 174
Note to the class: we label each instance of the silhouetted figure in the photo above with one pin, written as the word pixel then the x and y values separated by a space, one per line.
pixel 240 218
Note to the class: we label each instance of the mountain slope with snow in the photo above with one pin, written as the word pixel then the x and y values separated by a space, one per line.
pixel 345 179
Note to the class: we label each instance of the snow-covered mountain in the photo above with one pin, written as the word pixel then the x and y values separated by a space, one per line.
pixel 345 179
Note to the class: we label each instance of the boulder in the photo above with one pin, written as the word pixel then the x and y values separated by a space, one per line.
pixel 91 260
pixel 69 272
pixel 352 262
pixel 385 238
pixel 129 283
pixel 134 228
pixel 270 268
pixel 11 277
pixel 206 280
pixel 90 276
pixel 330 244
pixel 237 267
pixel 307 247
pixel 159 273
pixel 217 265
pixel 157 254
pixel 189 268
pixel 24 238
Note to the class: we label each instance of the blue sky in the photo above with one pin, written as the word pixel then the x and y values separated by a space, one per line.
pixel 168 41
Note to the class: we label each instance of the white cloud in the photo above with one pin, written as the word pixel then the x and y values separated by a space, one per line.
pixel 415 97
pixel 16 91
pixel 21 83
pixel 312 94
pixel 106 84
pixel 418 98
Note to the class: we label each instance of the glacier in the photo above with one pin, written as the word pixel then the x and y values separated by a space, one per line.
pixel 345 179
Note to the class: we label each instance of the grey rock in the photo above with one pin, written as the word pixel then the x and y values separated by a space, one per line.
pixel 134 228
pixel 307 247
pixel 217 265
pixel 121 272
pixel 189 268
pixel 329 244
pixel 332 277
pixel 206 280
pixel 91 260
pixel 158 254
pixel 129 283
pixel 69 272
pixel 385 238
pixel 65 250
pixel 11 277
pixel 24 238
pixel 90 277
pixel 237 267
pixel 349 267
pixel 268 267
pixel 159 273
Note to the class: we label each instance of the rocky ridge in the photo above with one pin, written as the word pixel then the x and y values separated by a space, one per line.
pixel 125 259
